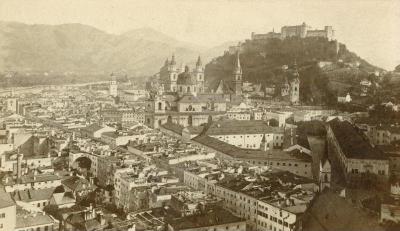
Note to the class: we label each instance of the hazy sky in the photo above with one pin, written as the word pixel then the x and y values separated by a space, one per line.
pixel 371 28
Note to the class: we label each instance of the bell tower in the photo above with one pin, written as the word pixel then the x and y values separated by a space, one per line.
pixel 294 91
pixel 199 73
pixel 237 75
pixel 113 86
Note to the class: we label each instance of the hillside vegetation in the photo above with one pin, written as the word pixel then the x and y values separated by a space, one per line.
pixel 262 63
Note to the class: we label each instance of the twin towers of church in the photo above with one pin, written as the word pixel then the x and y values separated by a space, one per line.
pixel 184 81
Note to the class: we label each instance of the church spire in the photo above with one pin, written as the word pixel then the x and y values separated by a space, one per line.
pixel 238 68
pixel 173 62
pixel 237 76
pixel 199 63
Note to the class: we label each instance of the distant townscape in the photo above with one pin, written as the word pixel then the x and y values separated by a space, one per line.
pixel 285 131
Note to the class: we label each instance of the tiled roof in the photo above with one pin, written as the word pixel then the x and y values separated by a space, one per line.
pixel 33 220
pixel 236 152
pixel 352 143
pixel 5 199
pixel 173 127
pixel 76 183
pixel 34 195
pixel 217 216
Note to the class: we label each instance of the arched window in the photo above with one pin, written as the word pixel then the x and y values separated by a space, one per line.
pixel 188 89
pixel 180 89
pixel 159 106
pixel 295 88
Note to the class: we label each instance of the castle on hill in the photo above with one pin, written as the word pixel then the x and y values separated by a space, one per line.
pixel 301 31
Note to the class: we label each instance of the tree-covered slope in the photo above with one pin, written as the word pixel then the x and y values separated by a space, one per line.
pixel 262 62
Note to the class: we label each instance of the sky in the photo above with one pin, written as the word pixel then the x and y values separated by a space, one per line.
pixel 371 28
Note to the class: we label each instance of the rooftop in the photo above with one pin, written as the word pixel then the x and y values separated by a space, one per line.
pixel 26 220
pixel 217 216
pixel 275 187
pixel 228 127
pixel 33 195
pixel 237 152
pixel 352 143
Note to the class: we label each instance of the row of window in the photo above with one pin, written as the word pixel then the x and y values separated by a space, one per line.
pixel 45 228
pixel 380 172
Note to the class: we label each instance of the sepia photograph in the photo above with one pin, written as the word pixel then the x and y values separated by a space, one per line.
pixel 199 115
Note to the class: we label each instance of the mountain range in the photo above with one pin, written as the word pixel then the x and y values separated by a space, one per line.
pixel 84 49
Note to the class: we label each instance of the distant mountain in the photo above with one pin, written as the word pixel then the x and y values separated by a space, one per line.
pixel 327 68
pixel 84 49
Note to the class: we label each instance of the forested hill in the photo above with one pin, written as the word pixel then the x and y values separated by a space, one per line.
pixel 262 62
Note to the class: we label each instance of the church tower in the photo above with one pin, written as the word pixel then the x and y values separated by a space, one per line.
pixel 113 86
pixel 172 75
pixel 294 91
pixel 237 76
pixel 159 103
pixel 169 74
pixel 198 72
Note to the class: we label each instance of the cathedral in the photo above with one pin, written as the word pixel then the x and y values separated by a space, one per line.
pixel 182 99
pixel 182 80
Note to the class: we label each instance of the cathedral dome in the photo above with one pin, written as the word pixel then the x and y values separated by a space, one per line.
pixel 186 78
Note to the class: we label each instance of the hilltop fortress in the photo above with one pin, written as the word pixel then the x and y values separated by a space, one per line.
pixel 301 31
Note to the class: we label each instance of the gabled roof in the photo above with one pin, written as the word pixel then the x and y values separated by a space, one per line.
pixel 224 88
pixel 64 198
